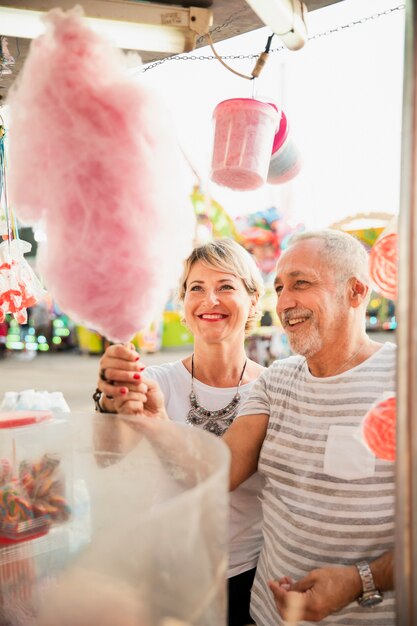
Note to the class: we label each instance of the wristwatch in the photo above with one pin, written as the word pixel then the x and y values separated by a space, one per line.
pixel 371 596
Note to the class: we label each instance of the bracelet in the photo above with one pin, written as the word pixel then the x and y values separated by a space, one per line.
pixel 96 397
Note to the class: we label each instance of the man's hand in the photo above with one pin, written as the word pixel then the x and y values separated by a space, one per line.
pixel 324 591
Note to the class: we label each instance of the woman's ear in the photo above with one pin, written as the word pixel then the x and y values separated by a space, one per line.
pixel 358 292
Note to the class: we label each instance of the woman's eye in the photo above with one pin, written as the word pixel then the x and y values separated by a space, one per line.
pixel 196 288
pixel 226 287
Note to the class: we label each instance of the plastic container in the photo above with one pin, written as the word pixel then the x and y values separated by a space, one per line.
pixel 34 474
pixel 35 497
pixel 285 161
pixel 26 567
pixel 148 535
pixel 243 140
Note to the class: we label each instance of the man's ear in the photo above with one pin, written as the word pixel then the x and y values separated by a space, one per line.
pixel 357 292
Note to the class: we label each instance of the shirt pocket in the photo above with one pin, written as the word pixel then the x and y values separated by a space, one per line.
pixel 346 457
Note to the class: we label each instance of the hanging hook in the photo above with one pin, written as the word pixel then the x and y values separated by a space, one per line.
pixel 259 65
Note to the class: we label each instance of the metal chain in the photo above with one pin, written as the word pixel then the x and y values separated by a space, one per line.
pixel 227 22
pixel 325 33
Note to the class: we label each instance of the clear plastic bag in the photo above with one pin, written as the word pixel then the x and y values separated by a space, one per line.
pixel 31 400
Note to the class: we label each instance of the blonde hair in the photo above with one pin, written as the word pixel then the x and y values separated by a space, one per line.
pixel 227 255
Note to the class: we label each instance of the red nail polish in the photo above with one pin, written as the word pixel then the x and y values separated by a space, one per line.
pixel 123 390
pixel 136 376
pixel 137 358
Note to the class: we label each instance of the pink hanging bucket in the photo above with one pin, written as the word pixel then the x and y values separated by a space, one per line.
pixel 285 160
pixel 243 141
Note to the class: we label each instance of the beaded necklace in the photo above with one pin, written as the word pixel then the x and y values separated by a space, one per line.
pixel 216 422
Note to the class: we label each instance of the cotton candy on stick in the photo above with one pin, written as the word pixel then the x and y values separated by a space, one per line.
pixel 378 429
pixel 92 154
pixel 383 265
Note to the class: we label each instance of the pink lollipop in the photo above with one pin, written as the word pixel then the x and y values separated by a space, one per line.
pixel 383 265
pixel 379 429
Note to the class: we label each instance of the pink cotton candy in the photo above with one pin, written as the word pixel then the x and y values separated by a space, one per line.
pixel 93 156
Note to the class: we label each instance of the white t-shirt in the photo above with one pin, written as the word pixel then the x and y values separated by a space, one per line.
pixel 327 500
pixel 245 536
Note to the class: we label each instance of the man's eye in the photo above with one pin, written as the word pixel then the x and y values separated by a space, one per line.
pixel 278 289
pixel 302 283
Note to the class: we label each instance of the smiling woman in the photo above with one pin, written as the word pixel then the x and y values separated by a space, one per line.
pixel 219 290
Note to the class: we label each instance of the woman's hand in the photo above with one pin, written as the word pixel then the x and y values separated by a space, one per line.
pixel 321 592
pixel 119 373
pixel 124 389
pixel 146 400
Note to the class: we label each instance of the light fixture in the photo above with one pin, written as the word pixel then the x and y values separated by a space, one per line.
pixel 128 24
pixel 285 18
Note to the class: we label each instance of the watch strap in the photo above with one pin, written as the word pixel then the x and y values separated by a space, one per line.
pixel 365 573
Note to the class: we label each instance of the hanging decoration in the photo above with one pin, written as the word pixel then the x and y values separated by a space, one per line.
pixel 19 287
pixel 285 161
pixel 96 160
pixel 252 145
pixel 383 260
pixel 378 429
pixel 265 234
pixel 212 217
pixel 244 135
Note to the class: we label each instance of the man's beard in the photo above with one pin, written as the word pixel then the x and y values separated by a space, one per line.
pixel 307 342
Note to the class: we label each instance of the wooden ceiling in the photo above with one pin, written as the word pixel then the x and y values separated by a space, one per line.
pixel 230 18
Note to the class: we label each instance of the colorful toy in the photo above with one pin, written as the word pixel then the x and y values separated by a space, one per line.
pixel 265 233
pixel 210 212
pixel 383 260
pixel 378 429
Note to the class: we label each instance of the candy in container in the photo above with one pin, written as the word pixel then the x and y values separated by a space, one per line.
pixel 378 428
pixel 244 135
pixel 33 490
pixel 34 497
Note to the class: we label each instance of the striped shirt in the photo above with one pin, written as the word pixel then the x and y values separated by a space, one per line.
pixel 327 500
